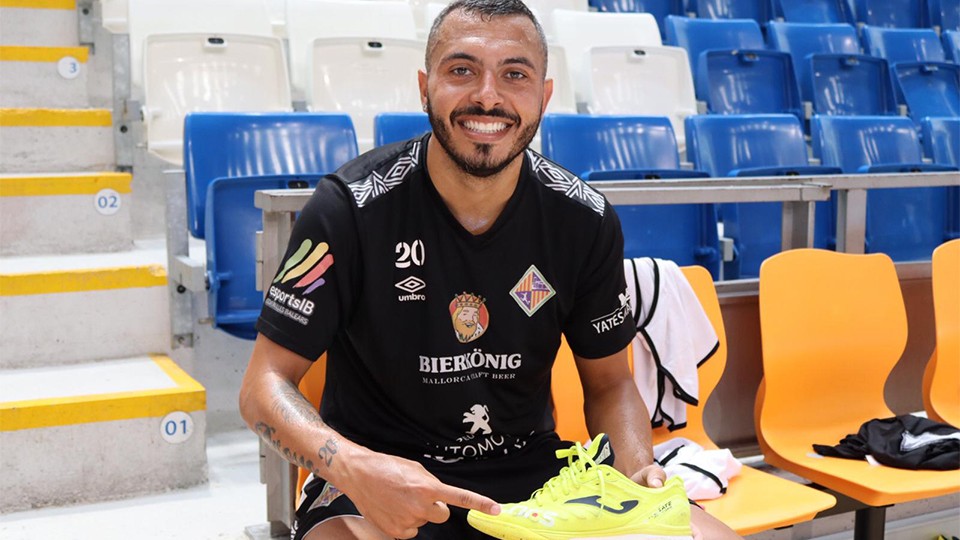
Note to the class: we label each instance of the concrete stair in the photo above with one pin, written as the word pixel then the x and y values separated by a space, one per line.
pixel 92 407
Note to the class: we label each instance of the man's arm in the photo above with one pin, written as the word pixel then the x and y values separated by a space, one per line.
pixel 612 405
pixel 395 494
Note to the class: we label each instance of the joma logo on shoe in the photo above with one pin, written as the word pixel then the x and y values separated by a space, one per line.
pixel 594 500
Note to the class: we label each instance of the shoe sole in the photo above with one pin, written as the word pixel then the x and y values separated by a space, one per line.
pixel 508 531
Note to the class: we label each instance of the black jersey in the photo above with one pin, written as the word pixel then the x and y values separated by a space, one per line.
pixel 440 342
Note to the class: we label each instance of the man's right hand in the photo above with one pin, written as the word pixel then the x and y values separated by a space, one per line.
pixel 399 496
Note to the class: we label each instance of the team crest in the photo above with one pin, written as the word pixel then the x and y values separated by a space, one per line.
pixel 469 316
pixel 532 291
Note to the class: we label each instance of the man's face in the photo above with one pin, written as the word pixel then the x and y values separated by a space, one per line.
pixel 466 322
pixel 485 90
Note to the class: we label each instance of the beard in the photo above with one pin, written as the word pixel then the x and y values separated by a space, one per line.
pixel 463 328
pixel 481 163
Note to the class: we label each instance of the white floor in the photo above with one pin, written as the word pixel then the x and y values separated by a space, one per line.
pixel 232 500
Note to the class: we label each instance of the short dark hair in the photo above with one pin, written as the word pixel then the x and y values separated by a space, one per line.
pixel 486 9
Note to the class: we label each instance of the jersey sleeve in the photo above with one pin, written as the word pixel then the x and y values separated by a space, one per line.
pixel 600 323
pixel 312 293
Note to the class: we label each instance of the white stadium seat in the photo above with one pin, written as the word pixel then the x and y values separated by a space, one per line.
pixel 363 77
pixel 204 72
pixel 651 81
pixel 578 31
pixel 563 100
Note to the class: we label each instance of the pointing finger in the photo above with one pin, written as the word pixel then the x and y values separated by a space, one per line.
pixel 467 499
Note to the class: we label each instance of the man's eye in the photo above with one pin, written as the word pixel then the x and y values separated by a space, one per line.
pixel 516 75
pixel 460 71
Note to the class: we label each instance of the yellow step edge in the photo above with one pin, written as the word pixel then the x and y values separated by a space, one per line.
pixel 55 118
pixel 187 396
pixel 94 279
pixel 39 4
pixel 42 54
pixel 80 184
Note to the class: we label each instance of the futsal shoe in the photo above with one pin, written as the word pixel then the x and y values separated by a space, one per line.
pixel 590 500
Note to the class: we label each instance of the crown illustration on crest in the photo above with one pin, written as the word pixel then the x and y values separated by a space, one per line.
pixel 469 300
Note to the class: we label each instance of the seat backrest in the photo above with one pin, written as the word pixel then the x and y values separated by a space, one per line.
pixel 203 72
pixel 652 81
pixel 391 127
pixel 578 31
pixel 658 8
pixel 929 89
pixel 903 44
pixel 815 11
pixel 758 10
pixel 699 35
pixel 944 13
pixel 803 39
pixel 232 222
pixel 308 20
pixel 891 13
pixel 568 393
pixel 833 326
pixel 851 142
pixel 951 45
pixel 944 390
pixel 850 85
pixel 719 144
pixel 564 99
pixel 213 17
pixel 748 82
pixel 362 77
pixel 235 145
pixel 582 143
pixel 941 140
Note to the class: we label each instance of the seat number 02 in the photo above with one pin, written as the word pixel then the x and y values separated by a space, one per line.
pixel 408 254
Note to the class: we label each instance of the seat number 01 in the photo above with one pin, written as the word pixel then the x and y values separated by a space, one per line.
pixel 408 254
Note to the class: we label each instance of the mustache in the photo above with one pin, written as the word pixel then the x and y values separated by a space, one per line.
pixel 476 110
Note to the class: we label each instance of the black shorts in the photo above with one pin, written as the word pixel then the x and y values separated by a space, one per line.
pixel 510 479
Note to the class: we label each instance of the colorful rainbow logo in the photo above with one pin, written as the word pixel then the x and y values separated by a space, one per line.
pixel 309 264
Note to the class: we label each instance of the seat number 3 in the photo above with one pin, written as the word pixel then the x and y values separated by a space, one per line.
pixel 407 254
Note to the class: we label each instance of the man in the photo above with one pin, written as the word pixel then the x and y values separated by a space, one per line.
pixel 453 264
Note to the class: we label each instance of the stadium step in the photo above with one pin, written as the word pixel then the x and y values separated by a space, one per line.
pixel 65 213
pixel 56 140
pixel 43 76
pixel 39 22
pixel 100 430
pixel 67 309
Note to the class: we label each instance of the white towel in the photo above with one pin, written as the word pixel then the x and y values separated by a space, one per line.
pixel 705 473
pixel 674 336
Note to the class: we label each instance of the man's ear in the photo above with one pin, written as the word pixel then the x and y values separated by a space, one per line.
pixel 547 94
pixel 422 82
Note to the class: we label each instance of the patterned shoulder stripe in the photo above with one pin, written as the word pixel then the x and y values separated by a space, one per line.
pixel 376 184
pixel 560 180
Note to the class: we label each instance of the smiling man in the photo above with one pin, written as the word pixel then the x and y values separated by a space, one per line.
pixel 439 402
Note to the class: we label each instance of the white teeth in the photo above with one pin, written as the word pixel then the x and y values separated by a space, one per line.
pixel 484 127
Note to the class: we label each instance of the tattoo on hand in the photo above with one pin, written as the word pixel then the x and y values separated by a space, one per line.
pixel 327 451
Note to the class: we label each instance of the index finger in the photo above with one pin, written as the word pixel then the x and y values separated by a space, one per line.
pixel 467 499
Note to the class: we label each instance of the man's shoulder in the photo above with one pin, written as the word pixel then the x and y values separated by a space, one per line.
pixel 560 180
pixel 380 170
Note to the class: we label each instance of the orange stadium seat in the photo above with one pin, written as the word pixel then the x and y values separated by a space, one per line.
pixel 941 388
pixel 833 326
pixel 755 501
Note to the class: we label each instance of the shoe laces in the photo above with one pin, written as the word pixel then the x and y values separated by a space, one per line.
pixel 579 464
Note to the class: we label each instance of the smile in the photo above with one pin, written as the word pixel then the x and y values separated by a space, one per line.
pixel 485 127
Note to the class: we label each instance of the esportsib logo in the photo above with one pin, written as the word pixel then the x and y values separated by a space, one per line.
pixel 309 262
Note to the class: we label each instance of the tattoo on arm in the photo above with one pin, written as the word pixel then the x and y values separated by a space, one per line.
pixel 328 450
pixel 293 408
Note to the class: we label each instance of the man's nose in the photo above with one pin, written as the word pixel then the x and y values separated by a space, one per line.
pixel 487 95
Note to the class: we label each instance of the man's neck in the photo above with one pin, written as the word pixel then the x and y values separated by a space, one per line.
pixel 475 202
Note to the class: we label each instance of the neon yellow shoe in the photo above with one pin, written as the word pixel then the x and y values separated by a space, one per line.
pixel 590 500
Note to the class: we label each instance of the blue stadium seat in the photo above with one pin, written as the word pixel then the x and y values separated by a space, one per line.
pixel 231 227
pixel 903 44
pixel 905 223
pixel 755 145
pixel 815 11
pixel 748 82
pixel 637 147
pixel 929 89
pixel 891 13
pixel 399 126
pixel 758 10
pixel 951 45
pixel 658 8
pixel 252 144
pixel 698 35
pixel 941 143
pixel 944 13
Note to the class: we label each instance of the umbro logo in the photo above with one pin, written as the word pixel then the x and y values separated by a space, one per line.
pixel 594 500
pixel 411 285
